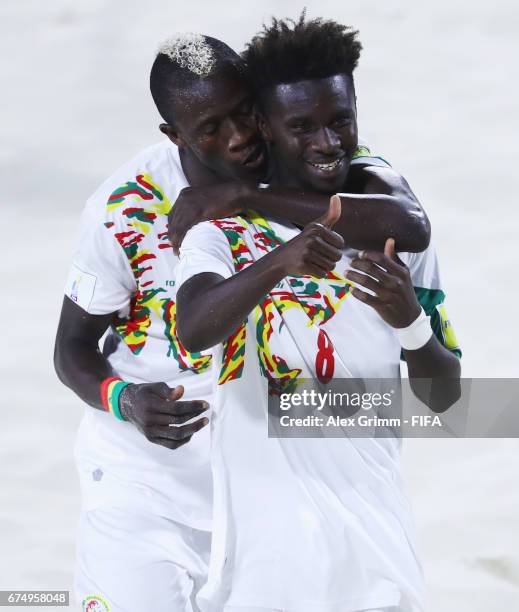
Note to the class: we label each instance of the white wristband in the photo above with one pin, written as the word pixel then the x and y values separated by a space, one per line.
pixel 417 334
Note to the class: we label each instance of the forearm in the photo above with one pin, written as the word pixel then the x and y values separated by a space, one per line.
pixel 434 375
pixel 210 309
pixel 367 220
pixel 81 367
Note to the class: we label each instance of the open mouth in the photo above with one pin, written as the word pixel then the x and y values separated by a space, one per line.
pixel 327 166
pixel 255 158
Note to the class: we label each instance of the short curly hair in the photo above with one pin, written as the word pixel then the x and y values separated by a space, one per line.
pixel 288 51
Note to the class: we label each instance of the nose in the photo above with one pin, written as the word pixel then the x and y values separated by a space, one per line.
pixel 240 135
pixel 326 142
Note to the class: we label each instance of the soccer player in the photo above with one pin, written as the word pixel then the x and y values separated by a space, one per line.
pixel 143 540
pixel 308 525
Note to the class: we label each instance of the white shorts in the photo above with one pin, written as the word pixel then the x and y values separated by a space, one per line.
pixel 128 561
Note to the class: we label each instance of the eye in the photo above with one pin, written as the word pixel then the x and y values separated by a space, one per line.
pixel 301 127
pixel 209 129
pixel 342 121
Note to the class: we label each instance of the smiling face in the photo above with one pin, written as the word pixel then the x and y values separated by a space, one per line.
pixel 215 120
pixel 312 126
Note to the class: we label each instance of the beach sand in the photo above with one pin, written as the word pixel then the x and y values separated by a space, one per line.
pixel 436 96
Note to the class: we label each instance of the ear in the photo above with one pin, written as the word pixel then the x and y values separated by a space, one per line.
pixel 172 133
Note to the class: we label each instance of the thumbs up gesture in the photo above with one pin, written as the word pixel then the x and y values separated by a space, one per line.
pixel 318 248
pixel 388 281
pixel 333 214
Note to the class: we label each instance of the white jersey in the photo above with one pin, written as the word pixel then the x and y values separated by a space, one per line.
pixel 310 525
pixel 124 264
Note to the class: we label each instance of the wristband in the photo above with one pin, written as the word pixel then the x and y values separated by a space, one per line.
pixel 111 389
pixel 417 334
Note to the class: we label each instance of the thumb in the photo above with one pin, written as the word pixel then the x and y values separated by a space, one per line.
pixel 332 215
pixel 389 249
pixel 176 393
pixel 165 392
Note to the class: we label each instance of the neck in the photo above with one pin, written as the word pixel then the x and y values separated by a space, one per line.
pixel 280 178
pixel 196 173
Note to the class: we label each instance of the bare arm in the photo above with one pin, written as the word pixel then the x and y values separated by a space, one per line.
pixel 379 203
pixel 434 375
pixel 81 366
pixel 434 371
pixel 78 361
pixel 211 308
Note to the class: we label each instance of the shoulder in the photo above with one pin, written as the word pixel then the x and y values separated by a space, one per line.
pixel 206 233
pixel 376 179
pixel 140 189
pixel 364 155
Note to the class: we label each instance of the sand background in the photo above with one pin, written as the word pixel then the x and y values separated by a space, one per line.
pixel 438 96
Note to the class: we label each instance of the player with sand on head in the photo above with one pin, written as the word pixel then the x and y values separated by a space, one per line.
pixel 306 525
pixel 143 448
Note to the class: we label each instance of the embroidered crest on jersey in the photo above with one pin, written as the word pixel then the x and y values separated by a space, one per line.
pixel 95 603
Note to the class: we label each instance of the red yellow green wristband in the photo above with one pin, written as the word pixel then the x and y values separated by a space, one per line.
pixel 111 389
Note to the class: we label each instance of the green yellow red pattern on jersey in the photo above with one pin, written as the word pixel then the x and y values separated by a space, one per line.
pixel 141 203
pixel 306 294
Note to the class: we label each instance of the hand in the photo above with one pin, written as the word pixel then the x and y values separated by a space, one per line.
pixel 196 204
pixel 317 249
pixel 153 407
pixel 390 281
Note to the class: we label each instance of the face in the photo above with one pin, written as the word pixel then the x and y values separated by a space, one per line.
pixel 312 126
pixel 215 120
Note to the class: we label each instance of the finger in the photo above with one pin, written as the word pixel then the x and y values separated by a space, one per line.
pixel 333 214
pixel 382 260
pixel 176 238
pixel 365 281
pixel 326 249
pixel 177 432
pixel 176 409
pixel 328 235
pixel 175 242
pixel 389 249
pixel 316 271
pixel 176 393
pixel 316 259
pixel 161 390
pixel 161 419
pixel 362 296
pixel 364 265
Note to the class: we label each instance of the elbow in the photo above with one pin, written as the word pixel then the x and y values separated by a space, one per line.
pixel 188 337
pixel 414 227
pixel 418 234
pixel 438 394
pixel 444 394
pixel 190 343
pixel 422 232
